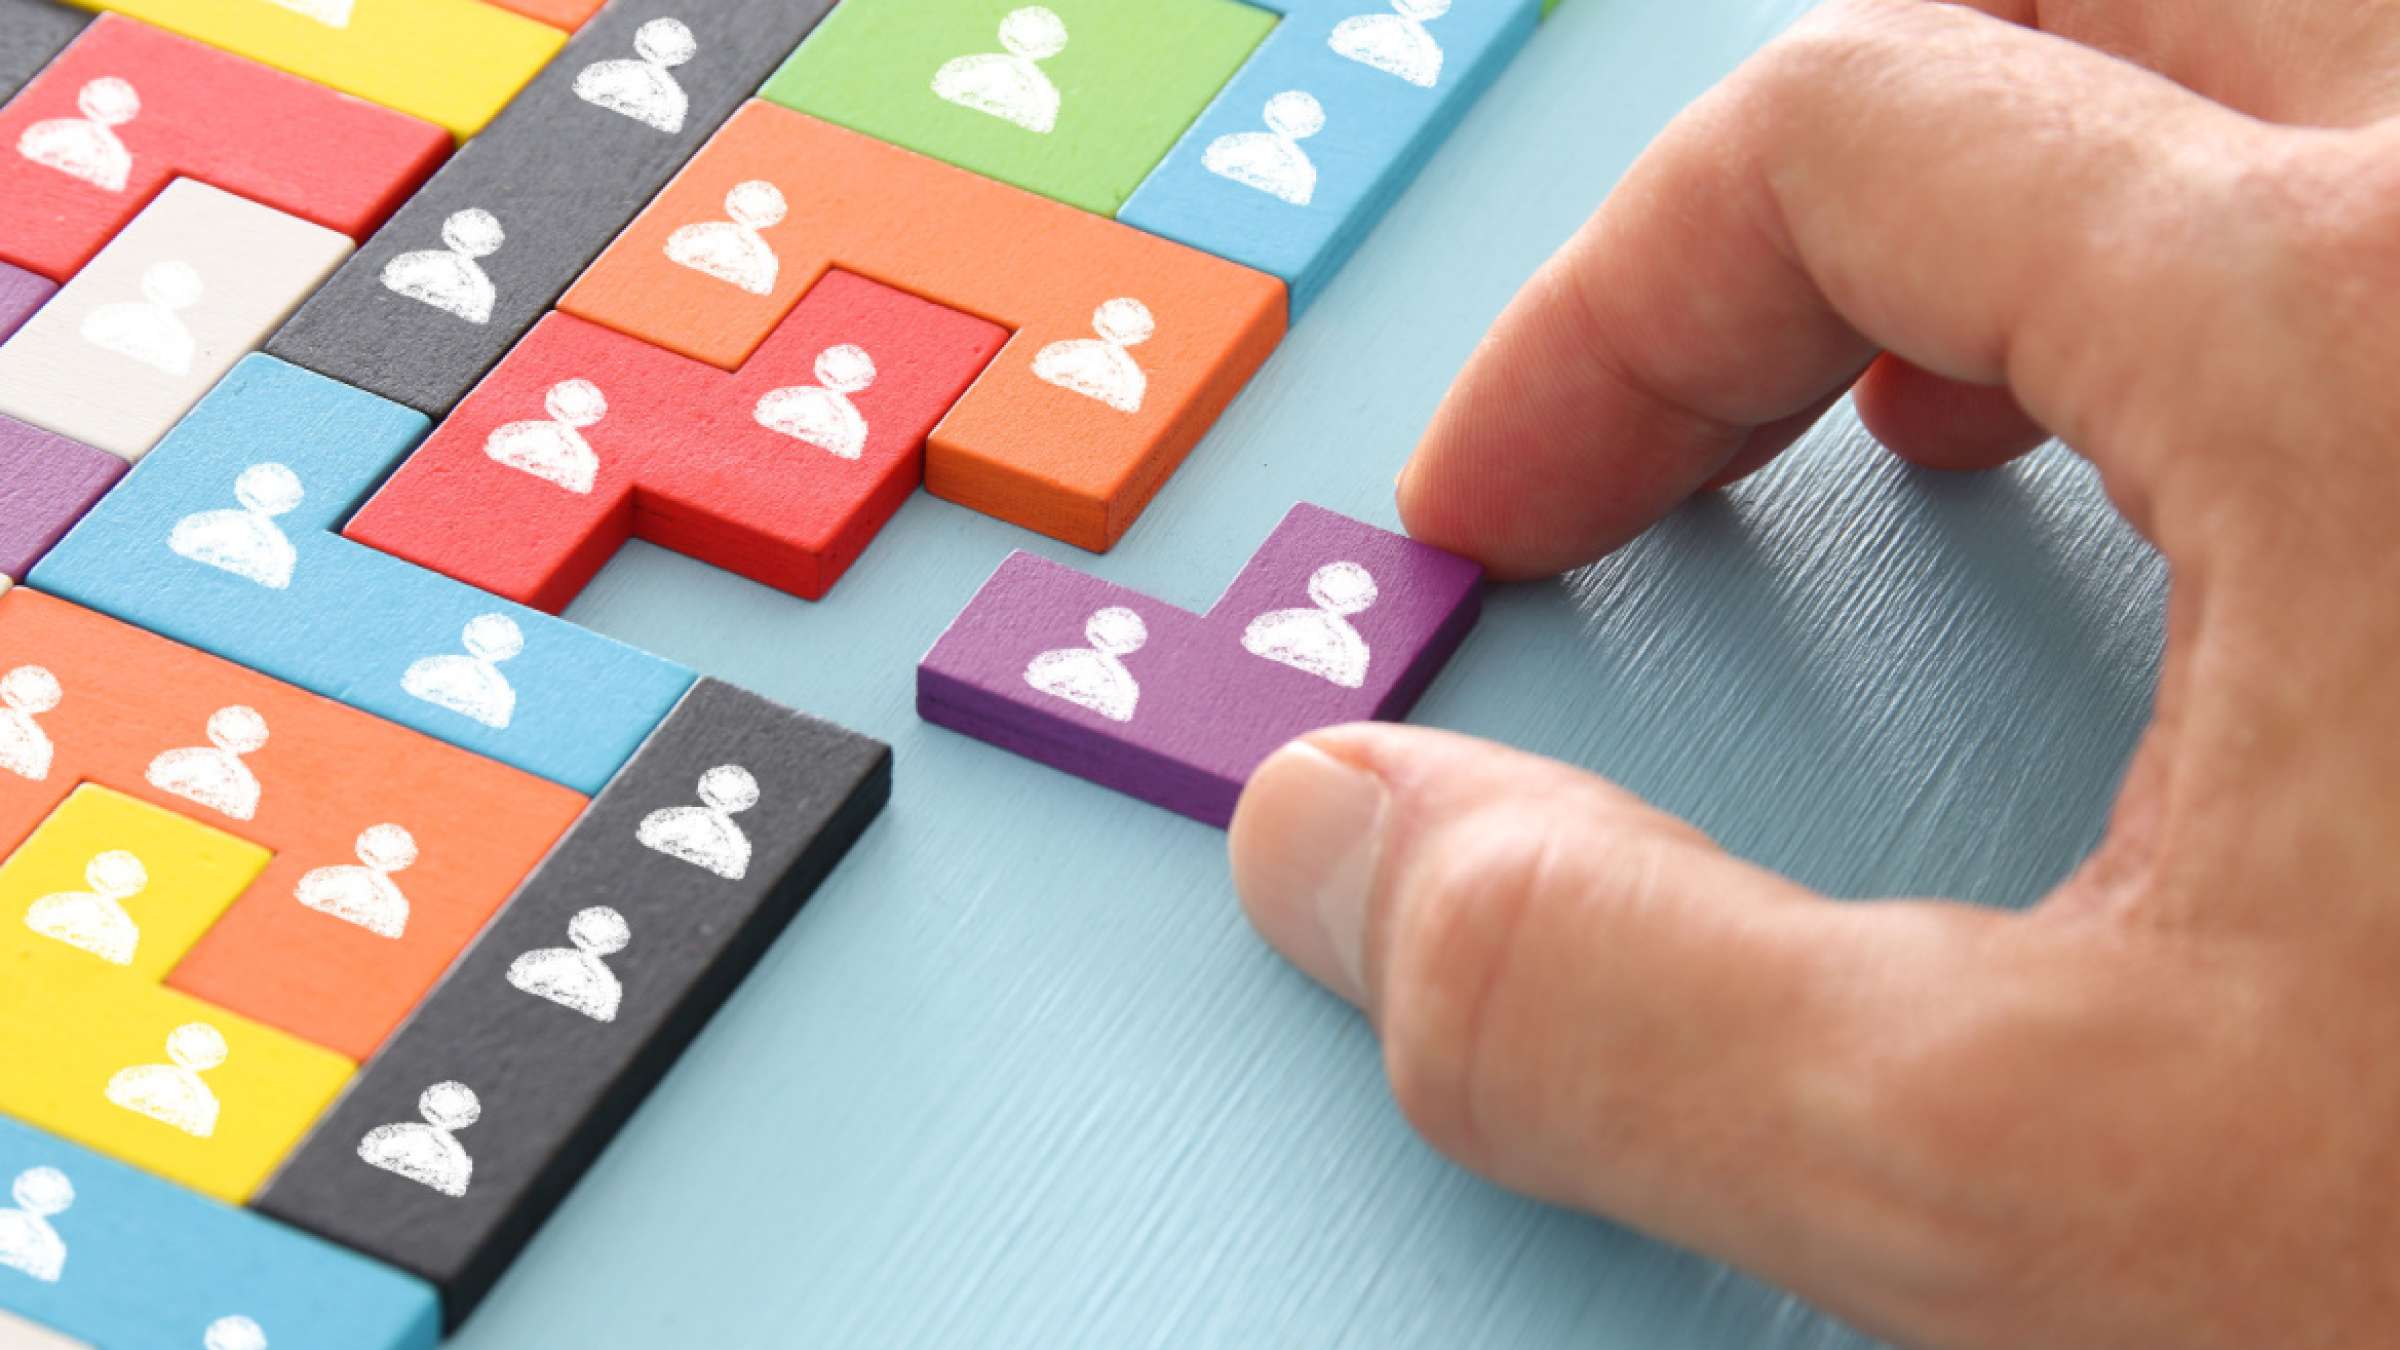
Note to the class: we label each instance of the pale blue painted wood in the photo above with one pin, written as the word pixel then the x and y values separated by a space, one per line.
pixel 1020 1077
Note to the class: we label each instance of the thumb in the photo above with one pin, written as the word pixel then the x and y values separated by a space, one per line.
pixel 1583 998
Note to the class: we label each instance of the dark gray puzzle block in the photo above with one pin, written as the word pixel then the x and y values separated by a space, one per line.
pixel 556 1054
pixel 31 32
pixel 562 169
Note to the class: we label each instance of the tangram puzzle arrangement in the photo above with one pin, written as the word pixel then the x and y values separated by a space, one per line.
pixel 350 900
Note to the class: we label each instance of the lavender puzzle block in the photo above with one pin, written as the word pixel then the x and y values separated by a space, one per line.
pixel 21 293
pixel 47 482
pixel 1331 621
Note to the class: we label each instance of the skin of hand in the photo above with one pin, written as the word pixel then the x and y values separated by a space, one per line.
pixel 2160 1109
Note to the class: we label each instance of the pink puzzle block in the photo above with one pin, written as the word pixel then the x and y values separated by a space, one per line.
pixel 47 482
pixel 21 293
pixel 1331 621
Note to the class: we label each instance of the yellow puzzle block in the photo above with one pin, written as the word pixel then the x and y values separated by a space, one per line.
pixel 456 62
pixel 159 1079
pixel 113 880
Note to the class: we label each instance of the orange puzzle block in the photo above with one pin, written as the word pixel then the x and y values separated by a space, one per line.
pixel 1125 346
pixel 391 849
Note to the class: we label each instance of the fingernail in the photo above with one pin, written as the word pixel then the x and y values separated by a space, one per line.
pixel 1306 842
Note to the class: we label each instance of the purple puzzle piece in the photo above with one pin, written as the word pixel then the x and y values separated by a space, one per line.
pixel 21 293
pixel 1332 621
pixel 47 482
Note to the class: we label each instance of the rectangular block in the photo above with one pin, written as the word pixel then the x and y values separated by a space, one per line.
pixel 122 881
pixel 223 539
pixel 1305 149
pixel 47 482
pixel 1126 346
pixel 199 278
pixel 21 293
pixel 567 14
pixel 1331 621
pixel 116 1257
pixel 18 1334
pixel 129 108
pixel 391 849
pixel 32 32
pixel 159 1079
pixel 455 62
pixel 536 196
pixel 781 471
pixel 480 1115
pixel 1073 99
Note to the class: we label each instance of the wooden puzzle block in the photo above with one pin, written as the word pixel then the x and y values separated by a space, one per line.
pixel 455 62
pixel 567 14
pixel 167 1082
pixel 1331 621
pixel 21 293
pixel 391 850
pixel 31 33
pixel 125 882
pixel 116 1257
pixel 200 277
pixel 18 1334
pixel 223 538
pixel 782 471
pixel 1073 99
pixel 1305 149
pixel 128 109
pixel 474 1122
pixel 47 482
pixel 447 288
pixel 1125 346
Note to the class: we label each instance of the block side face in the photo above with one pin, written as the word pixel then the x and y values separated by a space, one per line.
pixel 697 875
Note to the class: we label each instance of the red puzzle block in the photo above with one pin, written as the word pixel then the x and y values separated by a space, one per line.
pixel 781 471
pixel 128 108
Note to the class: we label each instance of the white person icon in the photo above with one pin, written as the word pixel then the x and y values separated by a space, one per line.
pixel 1009 84
pixel 88 147
pixel 705 835
pixel 644 87
pixel 1320 639
pixel 29 1244
pixel 553 448
pixel 25 694
pixel 331 13
pixel 472 685
pixel 364 893
pixel 151 330
pixel 245 540
pixel 1100 367
pixel 1095 677
pixel 822 414
pixel 234 1332
pixel 578 977
pixel 735 249
pixel 94 919
pixel 451 278
pixel 214 775
pixel 173 1093
pixel 1272 160
pixel 428 1152
pixel 1396 43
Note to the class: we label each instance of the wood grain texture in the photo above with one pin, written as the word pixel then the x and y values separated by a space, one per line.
pixel 1039 1086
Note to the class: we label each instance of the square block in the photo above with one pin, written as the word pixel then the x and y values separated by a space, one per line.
pixel 128 109
pixel 1126 346
pixel 1073 99
pixel 781 471
pixel 199 278
pixel 130 1260
pixel 454 62
pixel 1331 621
pixel 47 482
pixel 125 882
pixel 21 293
pixel 1305 149
pixel 32 32
pixel 391 850
pixel 536 197
pixel 223 539
pixel 464 1134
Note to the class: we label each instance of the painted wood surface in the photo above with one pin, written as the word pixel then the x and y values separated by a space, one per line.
pixel 1020 1076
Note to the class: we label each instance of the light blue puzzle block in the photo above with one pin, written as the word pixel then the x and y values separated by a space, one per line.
pixel 1304 149
pixel 113 1256
pixel 223 538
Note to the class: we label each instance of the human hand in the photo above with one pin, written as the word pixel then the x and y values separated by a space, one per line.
pixel 2163 1107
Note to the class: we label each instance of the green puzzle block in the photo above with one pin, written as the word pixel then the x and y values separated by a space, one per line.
pixel 1131 75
